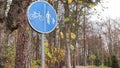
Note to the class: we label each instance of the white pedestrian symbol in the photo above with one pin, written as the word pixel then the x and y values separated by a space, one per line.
pixel 48 17
pixel 40 17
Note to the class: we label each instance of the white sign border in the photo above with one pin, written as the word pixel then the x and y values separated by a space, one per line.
pixel 43 28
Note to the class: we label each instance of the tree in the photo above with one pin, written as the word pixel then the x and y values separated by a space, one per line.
pixel 22 59
pixel 92 57
pixel 3 32
pixel 17 19
pixel 107 61
pixel 71 31
pixel 115 63
pixel 97 61
pixel 67 36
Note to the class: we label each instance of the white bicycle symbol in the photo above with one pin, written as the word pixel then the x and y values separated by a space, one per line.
pixel 37 15
pixel 41 18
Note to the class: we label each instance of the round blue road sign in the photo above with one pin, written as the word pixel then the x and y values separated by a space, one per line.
pixel 42 16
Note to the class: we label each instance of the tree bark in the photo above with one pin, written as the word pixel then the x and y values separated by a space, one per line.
pixel 3 43
pixel 17 20
pixel 67 42
pixel 84 42
pixel 3 34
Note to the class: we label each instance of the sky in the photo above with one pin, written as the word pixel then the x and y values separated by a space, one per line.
pixel 106 9
pixel 113 8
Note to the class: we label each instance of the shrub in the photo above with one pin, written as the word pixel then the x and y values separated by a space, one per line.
pixel 107 62
pixel 114 62
pixel 97 61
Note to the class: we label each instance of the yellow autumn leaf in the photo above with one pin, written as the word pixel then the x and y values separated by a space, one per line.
pixel 80 2
pixel 69 1
pixel 50 1
pixel 49 55
pixel 46 50
pixel 92 5
pixel 72 47
pixel 46 44
pixel 62 35
pixel 73 36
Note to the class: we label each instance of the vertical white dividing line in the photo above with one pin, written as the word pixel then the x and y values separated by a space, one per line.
pixel 44 17
pixel 40 0
pixel 43 54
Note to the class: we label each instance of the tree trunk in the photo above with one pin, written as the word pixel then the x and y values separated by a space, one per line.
pixel 3 43
pixel 3 4
pixel 68 56
pixel 84 42
pixel 67 29
pixel 3 33
pixel 17 19
pixel 22 49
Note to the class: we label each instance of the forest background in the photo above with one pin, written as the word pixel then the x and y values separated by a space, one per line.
pixel 76 41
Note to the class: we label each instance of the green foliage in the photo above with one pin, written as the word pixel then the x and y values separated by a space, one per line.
pixel 46 49
pixel 27 30
pixel 46 44
pixel 115 62
pixel 10 56
pixel 49 54
pixel 73 36
pixel 54 55
pixel 91 5
pixel 80 2
pixel 97 61
pixel 99 66
pixel 35 63
pixel 72 47
pixel 92 57
pixel 107 62
pixel 67 19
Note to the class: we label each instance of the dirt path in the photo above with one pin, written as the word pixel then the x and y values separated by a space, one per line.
pixel 82 66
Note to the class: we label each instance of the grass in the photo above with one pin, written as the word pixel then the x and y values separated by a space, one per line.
pixel 99 67
pixel 94 67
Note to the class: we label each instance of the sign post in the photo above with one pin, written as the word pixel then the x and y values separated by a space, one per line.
pixel 43 19
pixel 43 53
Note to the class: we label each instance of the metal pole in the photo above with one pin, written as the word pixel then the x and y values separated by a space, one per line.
pixel 43 54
